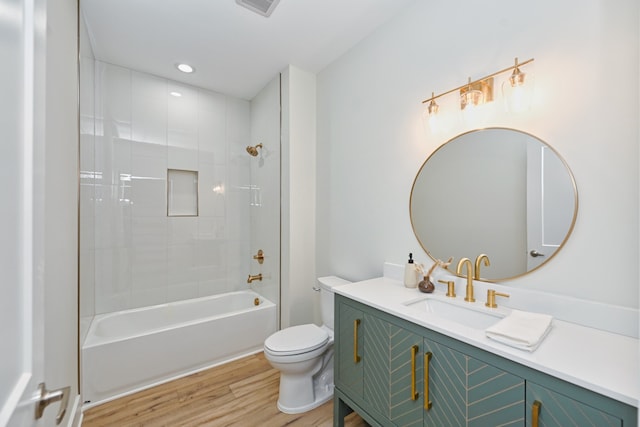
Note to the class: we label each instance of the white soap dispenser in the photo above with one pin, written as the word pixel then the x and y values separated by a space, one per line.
pixel 410 274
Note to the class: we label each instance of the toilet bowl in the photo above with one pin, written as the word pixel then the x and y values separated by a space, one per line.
pixel 304 356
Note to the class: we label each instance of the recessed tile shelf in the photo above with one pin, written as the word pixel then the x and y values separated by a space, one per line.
pixel 182 192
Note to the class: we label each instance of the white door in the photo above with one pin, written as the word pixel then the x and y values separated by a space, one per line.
pixel 21 212
pixel 550 203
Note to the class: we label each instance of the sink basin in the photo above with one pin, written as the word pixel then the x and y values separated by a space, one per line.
pixel 470 315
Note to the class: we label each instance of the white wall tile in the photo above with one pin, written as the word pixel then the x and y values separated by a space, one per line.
pixel 212 190
pixel 182 121
pixel 210 228
pixel 214 287
pixel 149 268
pixel 148 297
pixel 182 265
pixel 182 231
pixel 149 109
pixel 149 231
pixel 113 217
pixel 212 127
pixel 116 97
pixel 113 279
pixel 149 187
pixel 182 158
pixel 183 291
pixel 148 149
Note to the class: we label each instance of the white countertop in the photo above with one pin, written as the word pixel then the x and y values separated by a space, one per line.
pixel 604 362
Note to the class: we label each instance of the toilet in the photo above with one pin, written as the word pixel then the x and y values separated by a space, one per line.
pixel 304 356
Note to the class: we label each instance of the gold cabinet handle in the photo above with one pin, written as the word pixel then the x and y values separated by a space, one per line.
pixel 535 413
pixel 414 393
pixel 356 358
pixel 427 359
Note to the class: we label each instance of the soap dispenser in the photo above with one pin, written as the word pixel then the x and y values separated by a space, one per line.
pixel 410 274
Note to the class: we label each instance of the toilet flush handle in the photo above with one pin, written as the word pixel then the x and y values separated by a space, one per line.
pixel 316 288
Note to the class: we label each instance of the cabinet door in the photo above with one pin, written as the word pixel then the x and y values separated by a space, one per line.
pixel 393 372
pixel 467 392
pixel 350 354
pixel 555 409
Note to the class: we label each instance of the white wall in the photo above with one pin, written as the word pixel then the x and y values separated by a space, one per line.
pixel 371 141
pixel 61 203
pixel 299 302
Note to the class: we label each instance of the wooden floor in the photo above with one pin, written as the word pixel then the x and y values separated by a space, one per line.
pixel 241 393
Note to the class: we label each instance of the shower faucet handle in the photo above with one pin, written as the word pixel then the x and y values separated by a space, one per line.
pixel 259 256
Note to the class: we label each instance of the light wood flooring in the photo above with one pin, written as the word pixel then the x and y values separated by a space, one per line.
pixel 240 393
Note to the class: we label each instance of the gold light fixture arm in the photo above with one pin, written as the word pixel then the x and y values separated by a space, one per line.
pixel 517 64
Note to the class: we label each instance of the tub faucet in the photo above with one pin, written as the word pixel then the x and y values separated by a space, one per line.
pixel 257 277
pixel 485 257
pixel 466 261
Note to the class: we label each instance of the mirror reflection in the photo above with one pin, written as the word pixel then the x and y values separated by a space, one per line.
pixel 495 191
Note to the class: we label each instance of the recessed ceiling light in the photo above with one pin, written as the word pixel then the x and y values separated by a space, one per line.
pixel 176 94
pixel 185 68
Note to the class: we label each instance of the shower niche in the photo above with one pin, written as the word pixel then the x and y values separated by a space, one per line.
pixel 182 192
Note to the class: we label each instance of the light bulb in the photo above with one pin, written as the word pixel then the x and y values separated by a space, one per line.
pixel 185 68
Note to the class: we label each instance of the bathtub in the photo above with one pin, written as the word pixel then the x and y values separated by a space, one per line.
pixel 128 351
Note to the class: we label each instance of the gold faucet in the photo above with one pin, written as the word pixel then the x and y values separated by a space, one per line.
pixel 491 298
pixel 451 290
pixel 256 277
pixel 485 257
pixel 467 262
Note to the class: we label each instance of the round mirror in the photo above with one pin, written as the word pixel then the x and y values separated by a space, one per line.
pixel 495 191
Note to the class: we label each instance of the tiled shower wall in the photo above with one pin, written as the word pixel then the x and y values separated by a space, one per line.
pixel 135 254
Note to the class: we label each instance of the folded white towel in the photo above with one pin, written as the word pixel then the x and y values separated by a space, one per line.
pixel 521 329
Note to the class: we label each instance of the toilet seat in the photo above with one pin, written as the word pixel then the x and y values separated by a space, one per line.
pixel 296 340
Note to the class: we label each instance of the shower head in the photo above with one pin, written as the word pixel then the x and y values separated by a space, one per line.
pixel 253 150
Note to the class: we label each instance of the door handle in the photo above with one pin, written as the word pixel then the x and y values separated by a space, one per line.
pixel 414 353
pixel 535 253
pixel 427 362
pixel 45 397
pixel 356 358
pixel 535 413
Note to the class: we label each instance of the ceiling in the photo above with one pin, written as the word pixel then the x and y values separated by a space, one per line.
pixel 234 50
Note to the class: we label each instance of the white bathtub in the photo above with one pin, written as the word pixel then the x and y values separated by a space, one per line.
pixel 134 349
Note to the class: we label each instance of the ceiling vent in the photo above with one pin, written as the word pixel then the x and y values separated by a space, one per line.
pixel 262 7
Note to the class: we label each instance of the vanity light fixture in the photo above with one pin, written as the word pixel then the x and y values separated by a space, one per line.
pixel 432 112
pixel 517 96
pixel 185 68
pixel 478 92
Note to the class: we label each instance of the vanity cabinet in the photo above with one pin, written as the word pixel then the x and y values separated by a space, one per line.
pixel 348 364
pixel 465 391
pixel 553 409
pixel 403 377
pixel 388 370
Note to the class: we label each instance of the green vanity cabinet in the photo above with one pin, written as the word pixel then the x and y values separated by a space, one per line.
pixel 374 364
pixel 392 372
pixel 349 366
pixel 380 371
pixel 465 391
pixel 388 369
pixel 554 409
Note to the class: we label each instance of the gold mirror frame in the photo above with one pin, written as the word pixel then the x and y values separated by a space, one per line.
pixel 448 172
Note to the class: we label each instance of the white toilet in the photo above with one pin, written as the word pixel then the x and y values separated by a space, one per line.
pixel 304 356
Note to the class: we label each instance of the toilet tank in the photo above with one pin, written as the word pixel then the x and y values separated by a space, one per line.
pixel 326 297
